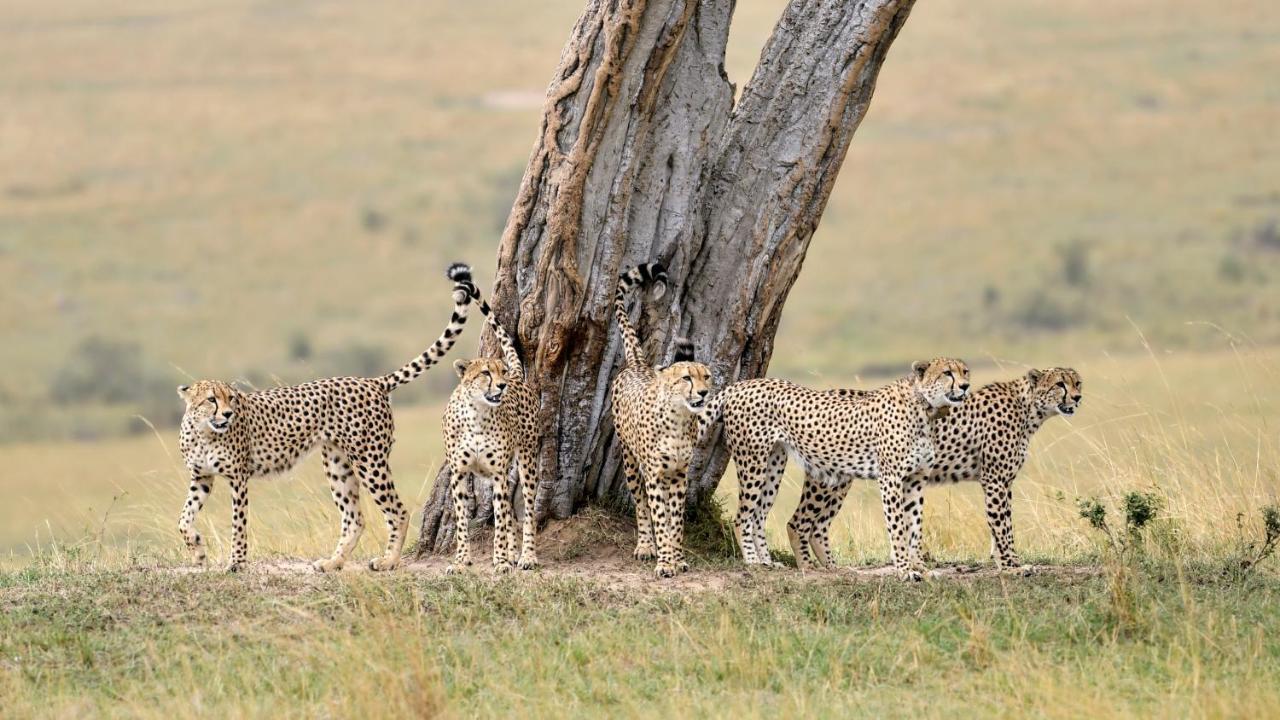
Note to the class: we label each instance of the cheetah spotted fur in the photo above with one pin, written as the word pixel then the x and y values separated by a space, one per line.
pixel 882 435
pixel 984 440
pixel 490 422
pixel 654 414
pixel 247 435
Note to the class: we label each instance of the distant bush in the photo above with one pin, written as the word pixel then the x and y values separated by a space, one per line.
pixel 1232 269
pixel 1266 235
pixel 99 370
pixel 1073 259
pixel 1043 311
pixel 300 347
pixel 357 359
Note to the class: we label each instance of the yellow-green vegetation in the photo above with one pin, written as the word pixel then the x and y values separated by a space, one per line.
pixel 269 193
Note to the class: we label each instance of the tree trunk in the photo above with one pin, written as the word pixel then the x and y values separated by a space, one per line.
pixel 643 156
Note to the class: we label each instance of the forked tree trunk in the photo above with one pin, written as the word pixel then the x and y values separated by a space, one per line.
pixel 641 156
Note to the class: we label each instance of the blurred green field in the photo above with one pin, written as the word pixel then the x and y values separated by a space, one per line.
pixel 269 191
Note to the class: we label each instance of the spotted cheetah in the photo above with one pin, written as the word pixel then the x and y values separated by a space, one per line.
pixel 490 422
pixel 654 415
pixel 984 440
pixel 246 435
pixel 882 434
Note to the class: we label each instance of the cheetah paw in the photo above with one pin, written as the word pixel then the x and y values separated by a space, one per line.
pixel 502 568
pixel 383 564
pixel 236 566
pixel 456 568
pixel 528 562
pixel 682 566
pixel 909 575
pixel 327 565
pixel 664 571
pixel 644 552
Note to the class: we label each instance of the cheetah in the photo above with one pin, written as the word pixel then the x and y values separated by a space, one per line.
pixel 247 435
pixel 654 414
pixel 491 421
pixel 984 440
pixel 882 434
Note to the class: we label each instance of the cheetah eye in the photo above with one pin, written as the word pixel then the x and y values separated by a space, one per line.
pixel 213 400
pixel 688 378
pixel 949 374
pixel 484 373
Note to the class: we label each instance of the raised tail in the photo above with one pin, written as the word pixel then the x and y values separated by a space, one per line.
pixel 463 291
pixel 509 355
pixel 638 276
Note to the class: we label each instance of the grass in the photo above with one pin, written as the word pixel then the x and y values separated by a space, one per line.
pixel 81 639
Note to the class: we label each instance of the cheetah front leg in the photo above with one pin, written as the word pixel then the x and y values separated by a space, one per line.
pixel 346 496
pixel 659 492
pixel 913 509
pixel 528 526
pixel 504 531
pixel 891 497
pixel 646 549
pixel 462 481
pixel 196 495
pixel 997 492
pixel 239 524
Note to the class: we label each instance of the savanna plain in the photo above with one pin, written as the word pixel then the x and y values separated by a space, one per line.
pixel 268 192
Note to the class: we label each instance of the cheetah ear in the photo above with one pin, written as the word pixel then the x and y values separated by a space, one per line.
pixel 919 367
pixel 183 390
pixel 460 367
pixel 1034 376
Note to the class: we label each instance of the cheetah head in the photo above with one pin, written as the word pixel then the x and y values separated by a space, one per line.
pixel 942 382
pixel 210 404
pixel 687 381
pixel 1055 391
pixel 485 379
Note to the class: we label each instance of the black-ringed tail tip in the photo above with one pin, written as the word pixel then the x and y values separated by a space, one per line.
pixel 459 272
pixel 652 272
pixel 683 351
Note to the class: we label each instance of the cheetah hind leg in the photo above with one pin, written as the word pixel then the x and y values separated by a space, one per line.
pixel 376 480
pixel 346 496
pixel 646 547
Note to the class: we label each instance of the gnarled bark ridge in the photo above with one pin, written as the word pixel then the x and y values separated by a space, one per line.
pixel 642 155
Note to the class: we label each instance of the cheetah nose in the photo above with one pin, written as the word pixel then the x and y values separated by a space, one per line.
pixel 227 414
pixel 502 386
pixel 703 393
pixel 964 387
pixel 1075 398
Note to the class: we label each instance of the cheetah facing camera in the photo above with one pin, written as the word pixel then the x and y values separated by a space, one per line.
pixel 881 434
pixel 244 435
pixel 654 414
pixel 491 421
pixel 983 440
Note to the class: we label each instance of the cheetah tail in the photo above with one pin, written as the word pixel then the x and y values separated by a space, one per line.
pixel 638 276
pixel 509 354
pixel 710 416
pixel 463 292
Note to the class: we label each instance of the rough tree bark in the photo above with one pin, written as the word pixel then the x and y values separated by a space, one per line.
pixel 642 155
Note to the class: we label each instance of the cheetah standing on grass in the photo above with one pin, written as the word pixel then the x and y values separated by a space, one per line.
pixel 243 435
pixel 983 440
pixel 492 420
pixel 882 434
pixel 654 416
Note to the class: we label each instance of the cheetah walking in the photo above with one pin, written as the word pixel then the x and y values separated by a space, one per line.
pixel 490 422
pixel 882 434
pixel 984 440
pixel 654 414
pixel 246 435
